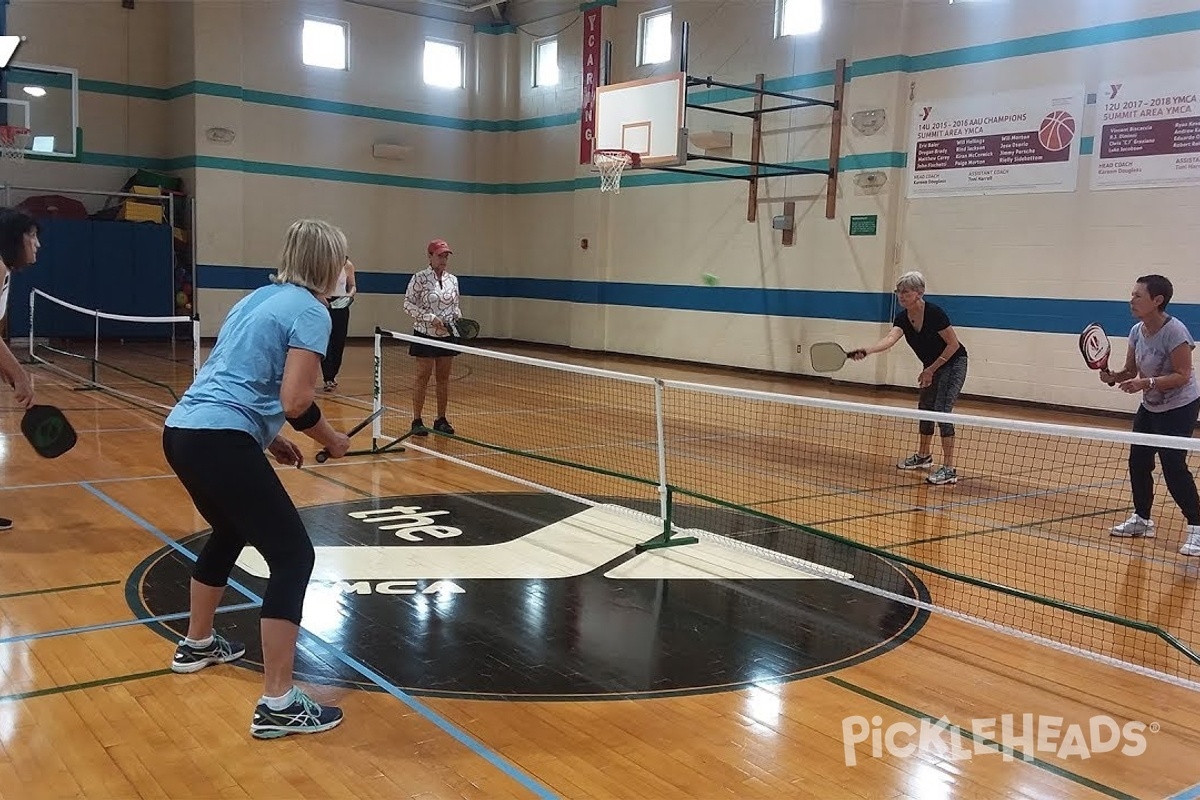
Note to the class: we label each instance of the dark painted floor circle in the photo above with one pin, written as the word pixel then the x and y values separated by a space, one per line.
pixel 523 636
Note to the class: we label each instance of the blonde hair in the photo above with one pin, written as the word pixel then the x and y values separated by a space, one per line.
pixel 911 280
pixel 314 254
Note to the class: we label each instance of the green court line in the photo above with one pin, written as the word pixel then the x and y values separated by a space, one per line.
pixel 1047 766
pixel 54 589
pixel 75 687
pixel 997 529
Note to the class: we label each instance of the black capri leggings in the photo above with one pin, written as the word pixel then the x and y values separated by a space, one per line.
pixel 942 393
pixel 1180 482
pixel 238 493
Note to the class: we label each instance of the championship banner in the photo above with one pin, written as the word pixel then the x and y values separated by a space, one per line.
pixel 1011 143
pixel 591 82
pixel 1149 133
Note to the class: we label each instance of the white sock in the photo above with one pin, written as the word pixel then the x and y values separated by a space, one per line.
pixel 199 642
pixel 278 703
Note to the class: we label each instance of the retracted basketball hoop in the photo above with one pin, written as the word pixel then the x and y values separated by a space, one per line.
pixel 611 164
pixel 14 141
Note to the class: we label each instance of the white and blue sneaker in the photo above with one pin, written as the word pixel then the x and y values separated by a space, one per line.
pixel 302 715
pixel 219 651
pixel 943 476
pixel 916 461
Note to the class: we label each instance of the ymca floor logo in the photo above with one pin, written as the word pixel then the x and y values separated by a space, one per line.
pixel 529 595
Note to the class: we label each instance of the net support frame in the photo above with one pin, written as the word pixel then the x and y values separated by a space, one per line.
pixel 92 383
pixel 991 585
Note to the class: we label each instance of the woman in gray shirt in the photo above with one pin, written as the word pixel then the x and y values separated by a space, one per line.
pixel 1159 365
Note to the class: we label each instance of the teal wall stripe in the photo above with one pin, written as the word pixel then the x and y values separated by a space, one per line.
pixel 1027 314
pixel 1187 22
pixel 641 178
pixel 50 80
pixel 1055 42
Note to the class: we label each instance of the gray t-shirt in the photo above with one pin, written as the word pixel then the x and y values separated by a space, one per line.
pixel 1153 356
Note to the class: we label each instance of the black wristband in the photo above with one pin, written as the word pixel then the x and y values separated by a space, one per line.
pixel 309 418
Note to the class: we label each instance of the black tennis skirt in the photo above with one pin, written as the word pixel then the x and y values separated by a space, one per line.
pixel 422 350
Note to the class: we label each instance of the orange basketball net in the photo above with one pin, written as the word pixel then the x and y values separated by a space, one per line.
pixel 13 142
pixel 611 164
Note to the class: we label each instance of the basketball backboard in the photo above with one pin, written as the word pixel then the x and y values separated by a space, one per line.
pixel 44 99
pixel 646 117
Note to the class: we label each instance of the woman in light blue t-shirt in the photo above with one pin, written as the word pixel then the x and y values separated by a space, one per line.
pixel 261 372
pixel 1159 365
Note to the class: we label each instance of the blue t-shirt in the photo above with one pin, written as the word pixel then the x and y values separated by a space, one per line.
pixel 238 386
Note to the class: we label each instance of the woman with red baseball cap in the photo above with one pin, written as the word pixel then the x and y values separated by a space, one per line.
pixel 432 301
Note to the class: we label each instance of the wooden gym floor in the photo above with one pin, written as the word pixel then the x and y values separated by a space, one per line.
pixel 89 708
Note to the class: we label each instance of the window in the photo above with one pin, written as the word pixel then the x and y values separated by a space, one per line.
pixel 654 37
pixel 545 62
pixel 443 64
pixel 797 17
pixel 323 44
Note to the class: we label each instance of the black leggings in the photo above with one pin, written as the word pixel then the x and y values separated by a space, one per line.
pixel 236 490
pixel 1180 483
pixel 331 364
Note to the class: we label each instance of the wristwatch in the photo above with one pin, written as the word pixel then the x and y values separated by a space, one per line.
pixel 1152 383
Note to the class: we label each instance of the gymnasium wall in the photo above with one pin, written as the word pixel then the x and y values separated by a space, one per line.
pixel 1020 274
pixel 154 79
pixel 494 169
pixel 122 60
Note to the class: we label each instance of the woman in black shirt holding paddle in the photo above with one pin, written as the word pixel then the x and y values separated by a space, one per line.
pixel 927 329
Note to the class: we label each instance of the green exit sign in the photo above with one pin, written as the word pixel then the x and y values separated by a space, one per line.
pixel 864 225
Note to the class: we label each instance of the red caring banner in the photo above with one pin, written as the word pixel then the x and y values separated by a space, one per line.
pixel 591 81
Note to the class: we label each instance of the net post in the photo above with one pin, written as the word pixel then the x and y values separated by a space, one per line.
pixel 377 392
pixel 195 346
pixel 96 352
pixel 665 539
pixel 666 500
pixel 377 403
pixel 660 435
pixel 32 295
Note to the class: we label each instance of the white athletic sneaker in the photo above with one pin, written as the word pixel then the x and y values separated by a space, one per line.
pixel 916 461
pixel 1192 546
pixel 1134 526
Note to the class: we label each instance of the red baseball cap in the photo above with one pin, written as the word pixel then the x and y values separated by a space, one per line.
pixel 437 247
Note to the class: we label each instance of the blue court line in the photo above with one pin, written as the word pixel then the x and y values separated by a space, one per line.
pixel 1191 793
pixel 124 623
pixel 459 735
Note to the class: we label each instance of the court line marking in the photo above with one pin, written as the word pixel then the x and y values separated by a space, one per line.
pixel 456 733
pixel 1021 757
pixel 75 687
pixel 53 589
pixel 121 623
pixel 1190 793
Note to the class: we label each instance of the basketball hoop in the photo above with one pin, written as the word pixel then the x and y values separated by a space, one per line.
pixel 611 164
pixel 13 142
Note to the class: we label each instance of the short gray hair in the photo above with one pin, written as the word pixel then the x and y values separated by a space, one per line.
pixel 314 254
pixel 911 280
